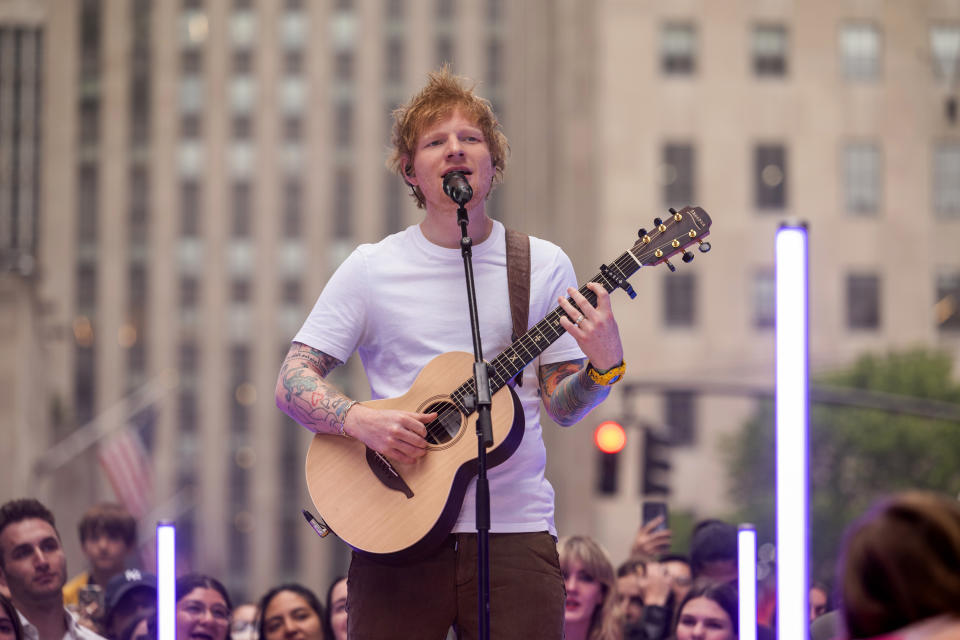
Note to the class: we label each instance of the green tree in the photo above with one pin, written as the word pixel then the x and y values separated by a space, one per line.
pixel 856 454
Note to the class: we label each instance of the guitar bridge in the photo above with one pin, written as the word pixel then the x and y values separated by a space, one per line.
pixel 386 474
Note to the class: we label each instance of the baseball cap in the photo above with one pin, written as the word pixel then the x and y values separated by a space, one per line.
pixel 123 583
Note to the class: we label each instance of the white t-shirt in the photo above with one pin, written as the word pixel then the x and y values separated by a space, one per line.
pixel 402 301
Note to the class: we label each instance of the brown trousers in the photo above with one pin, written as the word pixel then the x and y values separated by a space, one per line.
pixel 422 600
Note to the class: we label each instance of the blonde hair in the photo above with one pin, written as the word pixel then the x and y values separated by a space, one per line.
pixel 606 622
pixel 443 94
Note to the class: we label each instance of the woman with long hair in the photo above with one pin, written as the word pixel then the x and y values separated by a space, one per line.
pixel 292 608
pixel 708 612
pixel 10 628
pixel 203 608
pixel 590 612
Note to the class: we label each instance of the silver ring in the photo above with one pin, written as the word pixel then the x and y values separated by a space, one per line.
pixel 578 320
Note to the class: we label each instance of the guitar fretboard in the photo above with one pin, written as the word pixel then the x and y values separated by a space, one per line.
pixel 535 341
pixel 671 236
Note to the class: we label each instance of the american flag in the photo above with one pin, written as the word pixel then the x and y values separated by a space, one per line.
pixel 129 469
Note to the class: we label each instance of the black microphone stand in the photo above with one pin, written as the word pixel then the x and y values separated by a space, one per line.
pixel 481 402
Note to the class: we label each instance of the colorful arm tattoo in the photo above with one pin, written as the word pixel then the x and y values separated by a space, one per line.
pixel 568 394
pixel 304 395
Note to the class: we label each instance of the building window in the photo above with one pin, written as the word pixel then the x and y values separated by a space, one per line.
pixel 139 197
pixel 764 299
pixel 945 47
pixel 862 177
pixel 342 203
pixel 769 50
pixel 393 193
pixel 678 49
pixel 242 209
pixel 240 291
pixel 189 292
pixel 678 175
pixel 863 301
pixel 292 209
pixel 494 61
pixel 292 292
pixel 343 66
pixel 860 51
pixel 679 300
pixel 946 179
pixel 680 416
pixel 395 9
pixel 947 308
pixel 394 60
pixel 343 127
pixel 770 162
pixel 189 208
pixel 86 276
pixel 87 205
pixel 444 47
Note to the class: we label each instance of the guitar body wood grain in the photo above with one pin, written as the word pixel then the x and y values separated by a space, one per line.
pixel 382 521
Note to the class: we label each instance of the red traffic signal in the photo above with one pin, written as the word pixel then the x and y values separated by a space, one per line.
pixel 610 437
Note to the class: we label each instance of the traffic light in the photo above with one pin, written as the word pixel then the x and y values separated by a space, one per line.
pixel 656 464
pixel 610 439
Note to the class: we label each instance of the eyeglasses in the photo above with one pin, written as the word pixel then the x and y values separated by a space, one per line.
pixel 196 609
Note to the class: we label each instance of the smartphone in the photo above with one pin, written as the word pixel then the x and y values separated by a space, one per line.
pixel 652 509
pixel 90 601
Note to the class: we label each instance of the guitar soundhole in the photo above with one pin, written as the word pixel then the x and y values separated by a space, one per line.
pixel 447 424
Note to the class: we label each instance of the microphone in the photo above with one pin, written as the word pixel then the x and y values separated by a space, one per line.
pixel 456 186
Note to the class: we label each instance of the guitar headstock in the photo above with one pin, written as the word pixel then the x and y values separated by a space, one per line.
pixel 671 236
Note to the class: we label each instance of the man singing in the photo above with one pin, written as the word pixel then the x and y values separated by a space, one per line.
pixel 400 303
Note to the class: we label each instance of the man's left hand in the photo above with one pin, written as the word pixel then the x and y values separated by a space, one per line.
pixel 594 328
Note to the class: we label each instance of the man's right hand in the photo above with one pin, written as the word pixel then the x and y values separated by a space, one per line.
pixel 398 435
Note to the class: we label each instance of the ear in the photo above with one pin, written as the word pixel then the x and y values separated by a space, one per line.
pixel 409 176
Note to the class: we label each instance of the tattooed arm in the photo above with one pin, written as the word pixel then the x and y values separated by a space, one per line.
pixel 304 395
pixel 568 393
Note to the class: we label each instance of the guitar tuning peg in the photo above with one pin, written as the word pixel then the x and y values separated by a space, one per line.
pixel 704 246
pixel 672 210
pixel 657 222
pixel 642 232
pixel 672 268
pixel 687 256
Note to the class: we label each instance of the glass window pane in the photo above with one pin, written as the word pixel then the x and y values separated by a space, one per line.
pixel 862 177
pixel 946 179
pixel 860 51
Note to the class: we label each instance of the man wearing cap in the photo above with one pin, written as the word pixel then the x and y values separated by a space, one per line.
pixel 129 595
pixel 34 569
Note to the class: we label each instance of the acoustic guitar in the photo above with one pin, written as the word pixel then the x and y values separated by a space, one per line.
pixel 396 511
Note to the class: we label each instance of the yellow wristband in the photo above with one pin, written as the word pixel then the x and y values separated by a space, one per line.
pixel 608 377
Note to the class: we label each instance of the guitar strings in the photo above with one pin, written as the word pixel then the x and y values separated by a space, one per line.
pixel 625 264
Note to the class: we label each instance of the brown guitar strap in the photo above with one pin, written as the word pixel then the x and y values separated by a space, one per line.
pixel 518 281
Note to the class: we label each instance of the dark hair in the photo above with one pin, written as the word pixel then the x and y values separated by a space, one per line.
pixel 723 593
pixel 192 581
pixel 900 564
pixel 712 541
pixel 127 632
pixel 14 618
pixel 674 557
pixel 24 509
pixel 335 582
pixel 301 591
pixel 630 566
pixel 109 518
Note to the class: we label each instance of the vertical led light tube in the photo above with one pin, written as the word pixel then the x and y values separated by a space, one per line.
pixel 747 580
pixel 166 581
pixel 791 433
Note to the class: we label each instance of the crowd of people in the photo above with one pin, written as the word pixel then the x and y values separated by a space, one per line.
pixel 898 578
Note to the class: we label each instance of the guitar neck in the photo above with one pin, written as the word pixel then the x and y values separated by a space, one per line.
pixel 535 341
